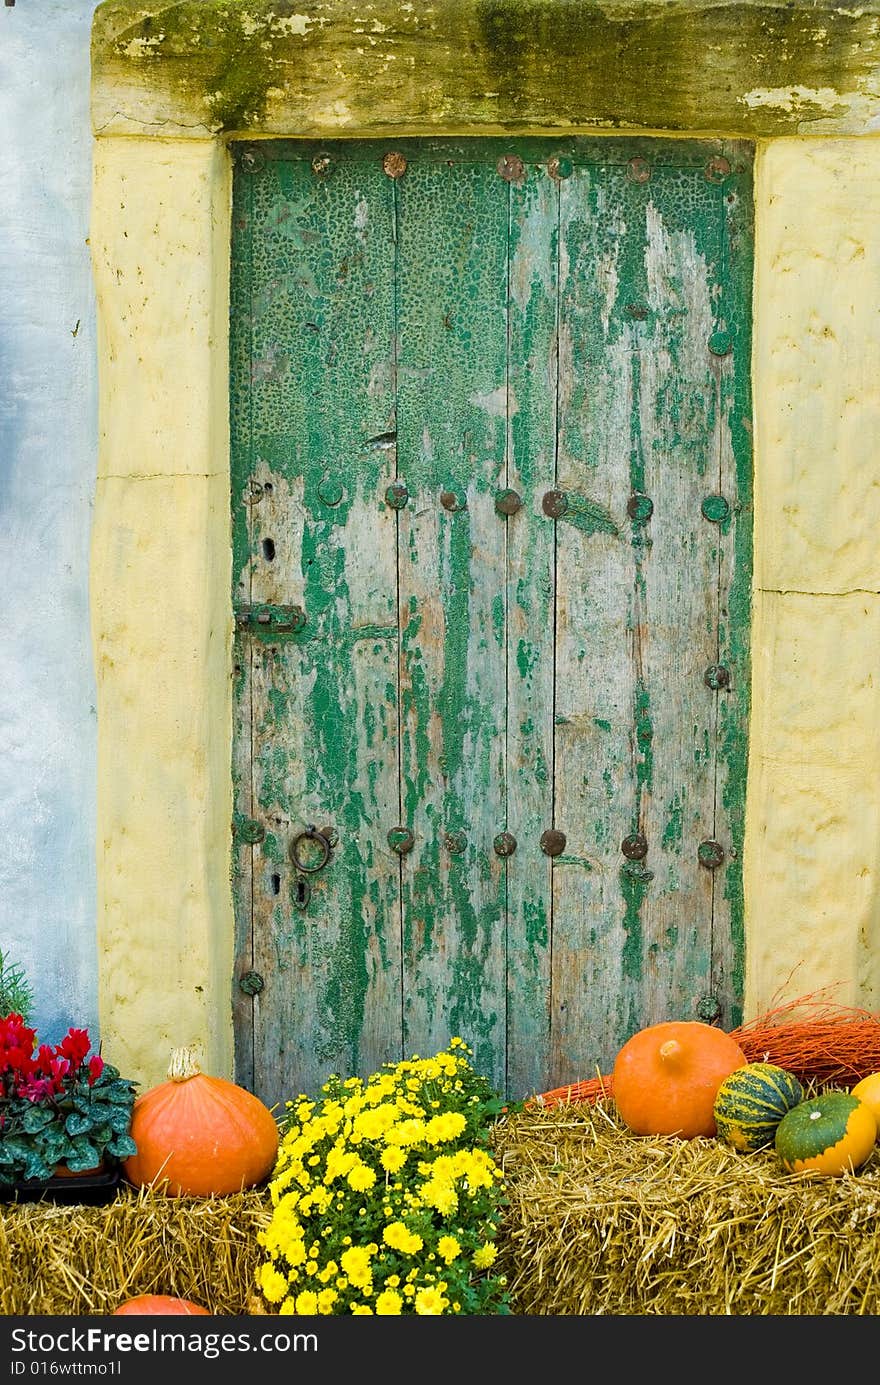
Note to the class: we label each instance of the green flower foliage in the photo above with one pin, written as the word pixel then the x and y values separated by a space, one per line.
pixel 16 992
pixel 386 1198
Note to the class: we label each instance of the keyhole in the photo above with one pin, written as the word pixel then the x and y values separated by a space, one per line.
pixel 268 549
pixel 276 884
pixel 302 893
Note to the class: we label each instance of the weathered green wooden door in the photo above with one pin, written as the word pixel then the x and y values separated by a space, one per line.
pixel 491 508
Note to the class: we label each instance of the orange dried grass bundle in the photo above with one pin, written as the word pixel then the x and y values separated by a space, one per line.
pixel 813 1037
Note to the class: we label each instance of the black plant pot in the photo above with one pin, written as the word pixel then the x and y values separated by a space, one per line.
pixel 86 1188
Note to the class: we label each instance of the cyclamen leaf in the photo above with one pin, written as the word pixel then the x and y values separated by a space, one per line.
pixel 79 1163
pixel 123 1147
pixel 35 1167
pixel 122 1092
pixel 36 1118
pixel 119 1120
pixel 84 1153
pixel 78 1124
pixel 55 1145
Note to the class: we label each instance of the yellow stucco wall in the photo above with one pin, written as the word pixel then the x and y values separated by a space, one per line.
pixel 161 573
pixel 812 846
pixel 160 582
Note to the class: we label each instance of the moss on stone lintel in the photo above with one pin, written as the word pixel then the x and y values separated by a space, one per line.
pixel 325 67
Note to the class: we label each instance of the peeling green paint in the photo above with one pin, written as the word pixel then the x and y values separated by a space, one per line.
pixel 527 655
pixel 537 930
pixel 426 695
pixel 634 882
pixel 499 618
pixel 672 832
pixel 644 728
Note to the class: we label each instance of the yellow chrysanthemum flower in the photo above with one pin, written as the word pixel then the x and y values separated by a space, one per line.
pixel 388 1304
pixel 307 1303
pixel 448 1248
pixel 430 1302
pixel 272 1283
pixel 361 1178
pixel 356 1265
pixel 372 1123
pixel 484 1256
pixel 399 1237
pixel 441 1196
pixel 392 1159
pixel 406 1132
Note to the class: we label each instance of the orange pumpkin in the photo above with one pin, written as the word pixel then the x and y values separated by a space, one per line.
pixel 149 1304
pixel 198 1135
pixel 666 1077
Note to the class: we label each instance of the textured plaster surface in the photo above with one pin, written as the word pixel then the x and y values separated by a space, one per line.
pixel 313 67
pixel 813 812
pixel 160 581
pixel 47 460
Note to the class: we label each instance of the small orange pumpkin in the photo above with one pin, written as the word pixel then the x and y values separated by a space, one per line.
pixel 198 1135
pixel 666 1077
pixel 145 1305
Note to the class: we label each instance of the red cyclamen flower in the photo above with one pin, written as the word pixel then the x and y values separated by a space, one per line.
pixel 75 1045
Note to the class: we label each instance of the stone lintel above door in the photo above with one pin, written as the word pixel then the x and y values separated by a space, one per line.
pixel 201 68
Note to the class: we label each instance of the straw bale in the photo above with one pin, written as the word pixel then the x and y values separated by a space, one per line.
pixel 598 1221
pixel 72 1259
pixel 601 1221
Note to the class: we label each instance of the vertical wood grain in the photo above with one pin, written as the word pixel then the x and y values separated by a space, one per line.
pixel 532 401
pixel 324 701
pixel 452 407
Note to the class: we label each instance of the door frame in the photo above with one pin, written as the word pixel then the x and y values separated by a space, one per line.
pixel 171 88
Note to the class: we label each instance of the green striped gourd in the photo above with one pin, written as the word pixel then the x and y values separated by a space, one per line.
pixel 752 1101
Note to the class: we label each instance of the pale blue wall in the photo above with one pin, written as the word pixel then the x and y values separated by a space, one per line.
pixel 48 440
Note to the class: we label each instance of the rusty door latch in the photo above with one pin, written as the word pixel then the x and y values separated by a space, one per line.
pixel 270 620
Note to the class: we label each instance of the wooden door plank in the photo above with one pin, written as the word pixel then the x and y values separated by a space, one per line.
pixel 733 434
pixel 634 749
pixel 244 1005
pixel 532 396
pixel 324 700
pixel 452 326
pixel 594 670
pixel 683 242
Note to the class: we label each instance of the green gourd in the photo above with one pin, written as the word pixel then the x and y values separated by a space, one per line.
pixel 751 1102
pixel 829 1134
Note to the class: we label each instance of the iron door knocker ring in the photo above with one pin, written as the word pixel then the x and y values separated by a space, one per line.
pixel 310 834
